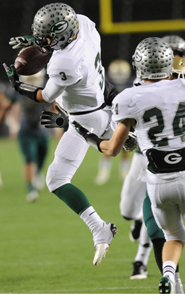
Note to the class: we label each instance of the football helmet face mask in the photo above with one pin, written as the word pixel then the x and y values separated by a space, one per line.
pixel 176 43
pixel 55 25
pixel 153 59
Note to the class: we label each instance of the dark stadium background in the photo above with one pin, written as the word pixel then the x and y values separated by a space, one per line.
pixel 16 18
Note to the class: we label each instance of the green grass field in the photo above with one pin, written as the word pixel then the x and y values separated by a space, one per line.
pixel 46 248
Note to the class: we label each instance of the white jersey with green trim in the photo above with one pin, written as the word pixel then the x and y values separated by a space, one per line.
pixel 159 111
pixel 78 70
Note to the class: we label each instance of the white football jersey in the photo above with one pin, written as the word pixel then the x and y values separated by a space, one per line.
pixel 78 69
pixel 159 111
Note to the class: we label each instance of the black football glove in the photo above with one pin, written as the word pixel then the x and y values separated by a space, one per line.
pixel 91 138
pixel 131 142
pixel 52 120
pixel 21 42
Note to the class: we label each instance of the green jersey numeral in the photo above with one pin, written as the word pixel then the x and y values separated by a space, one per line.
pixel 178 124
pixel 98 67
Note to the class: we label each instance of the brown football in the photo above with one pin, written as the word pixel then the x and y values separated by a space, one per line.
pixel 31 60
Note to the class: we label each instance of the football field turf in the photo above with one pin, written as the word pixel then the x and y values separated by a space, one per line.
pixel 45 248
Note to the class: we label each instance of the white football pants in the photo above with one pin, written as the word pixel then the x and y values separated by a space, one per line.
pixel 167 195
pixel 72 147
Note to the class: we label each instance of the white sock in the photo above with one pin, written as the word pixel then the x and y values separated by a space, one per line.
pixel 169 268
pixel 105 164
pixel 143 253
pixel 91 219
pixel 145 246
pixel 125 164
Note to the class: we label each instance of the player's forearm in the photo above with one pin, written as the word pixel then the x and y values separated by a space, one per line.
pixel 39 96
pixel 111 147
pixel 32 92
pixel 108 148
pixel 118 139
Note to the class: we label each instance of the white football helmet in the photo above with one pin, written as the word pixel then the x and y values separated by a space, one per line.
pixel 153 59
pixel 176 43
pixel 56 21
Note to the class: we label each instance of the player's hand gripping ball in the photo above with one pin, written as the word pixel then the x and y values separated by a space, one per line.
pixel 31 60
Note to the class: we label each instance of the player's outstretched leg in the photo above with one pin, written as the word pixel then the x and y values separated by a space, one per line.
pixel 102 232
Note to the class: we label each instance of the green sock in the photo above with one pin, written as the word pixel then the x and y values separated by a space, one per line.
pixel 30 187
pixel 73 197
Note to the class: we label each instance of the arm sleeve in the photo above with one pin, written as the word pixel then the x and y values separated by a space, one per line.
pixel 123 106
pixel 52 91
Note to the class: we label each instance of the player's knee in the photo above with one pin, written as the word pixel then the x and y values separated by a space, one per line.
pixel 126 211
pixel 129 213
pixel 55 178
pixel 49 176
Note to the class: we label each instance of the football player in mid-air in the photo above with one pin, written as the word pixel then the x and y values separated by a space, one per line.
pixel 76 81
pixel 160 132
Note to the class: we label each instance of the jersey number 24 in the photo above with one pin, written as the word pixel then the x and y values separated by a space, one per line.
pixel 178 124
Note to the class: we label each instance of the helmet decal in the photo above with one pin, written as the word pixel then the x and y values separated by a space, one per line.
pixel 59 27
pixel 138 56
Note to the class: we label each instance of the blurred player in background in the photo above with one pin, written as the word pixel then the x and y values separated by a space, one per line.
pixel 77 83
pixel 119 74
pixel 33 139
pixel 5 104
pixel 131 205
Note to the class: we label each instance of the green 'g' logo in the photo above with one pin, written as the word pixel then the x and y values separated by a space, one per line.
pixel 138 56
pixel 59 27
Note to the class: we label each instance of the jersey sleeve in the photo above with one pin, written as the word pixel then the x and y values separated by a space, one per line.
pixel 52 91
pixel 64 71
pixel 123 106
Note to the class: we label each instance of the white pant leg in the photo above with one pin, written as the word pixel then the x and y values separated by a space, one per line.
pixel 133 191
pixel 72 148
pixel 168 203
